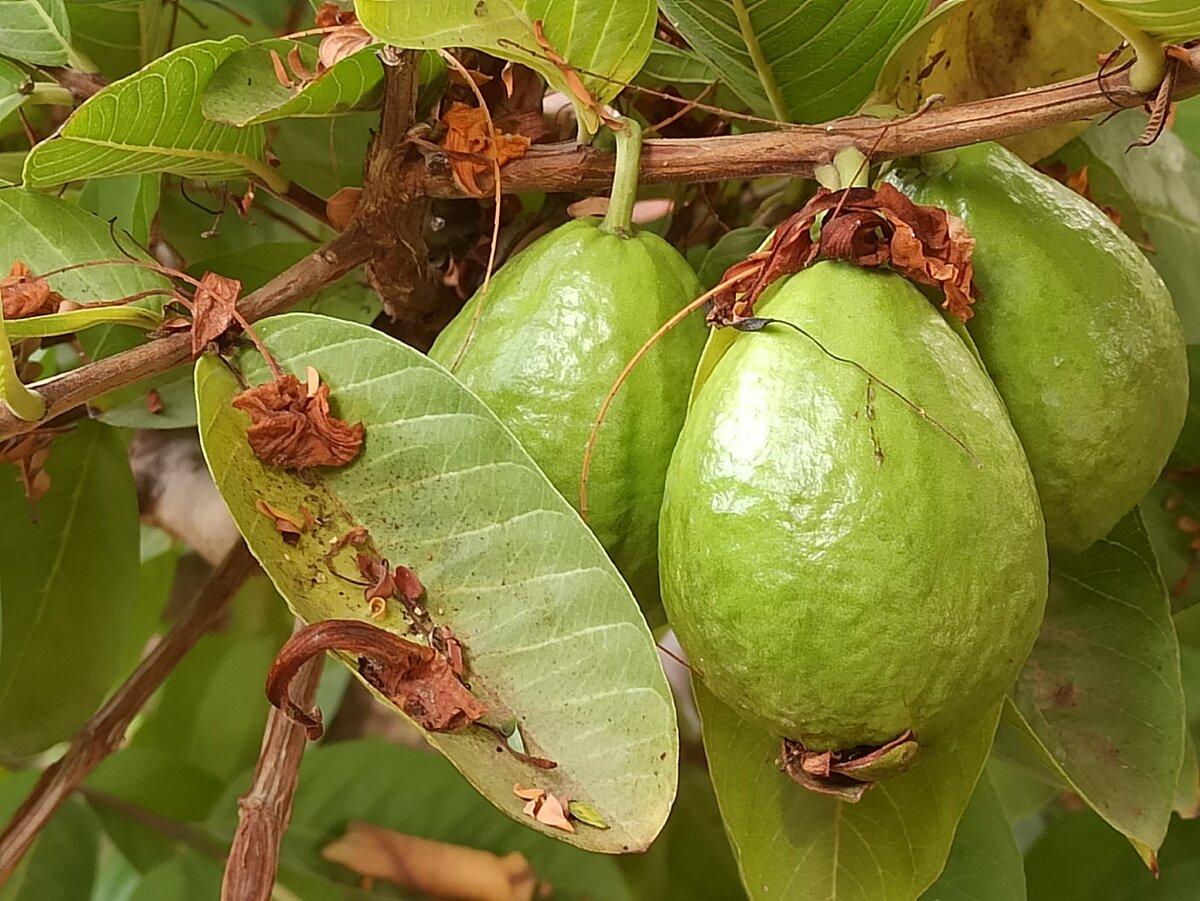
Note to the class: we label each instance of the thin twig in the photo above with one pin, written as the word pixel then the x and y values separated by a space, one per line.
pixel 266 808
pixel 105 731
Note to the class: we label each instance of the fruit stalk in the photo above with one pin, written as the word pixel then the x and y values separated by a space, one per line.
pixel 619 218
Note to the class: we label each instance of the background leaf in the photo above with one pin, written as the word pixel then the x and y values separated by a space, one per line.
pixel 152 122
pixel 12 80
pixel 132 200
pixel 605 40
pixel 973 49
pixel 551 633
pixel 890 845
pixel 984 863
pixel 69 583
pixel 1101 692
pixel 62 862
pixel 800 62
pixel 35 31
pixel 245 89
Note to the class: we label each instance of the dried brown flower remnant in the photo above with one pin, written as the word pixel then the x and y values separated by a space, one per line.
pixel 330 14
pixel 545 807
pixel 847 774
pixel 154 404
pixel 865 227
pixel 415 678
pixel 293 430
pixel 213 309
pixel 25 294
pixel 470 144
pixel 289 526
pixel 30 452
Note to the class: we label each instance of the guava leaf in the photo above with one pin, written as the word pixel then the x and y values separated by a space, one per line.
pixel 12 79
pixel 605 41
pixel 419 794
pixel 131 200
pixel 551 634
pixel 984 862
pixel 35 32
pixel 804 62
pixel 1101 695
pixel 973 49
pixel 890 845
pixel 668 66
pixel 70 584
pixel 1164 181
pixel 1168 20
pixel 151 121
pixel 62 862
pixel 246 91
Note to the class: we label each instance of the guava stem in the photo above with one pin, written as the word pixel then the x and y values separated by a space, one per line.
pixel 1150 65
pixel 619 218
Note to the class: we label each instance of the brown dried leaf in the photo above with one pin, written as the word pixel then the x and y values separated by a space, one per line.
pixel 213 308
pixel 432 869
pixel 154 402
pixel 289 526
pixel 867 228
pixel 281 73
pixel 469 143
pixel 30 452
pixel 292 430
pixel 335 46
pixel 414 677
pixel 545 807
pixel 296 64
pixel 25 294
pixel 574 83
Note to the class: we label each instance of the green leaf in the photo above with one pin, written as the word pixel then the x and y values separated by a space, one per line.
pixel 606 41
pixel 132 200
pixel 13 84
pixel 70 585
pixel 794 843
pixel 61 865
pixel 984 862
pixel 416 793
pixel 1164 182
pixel 24 403
pixel 1101 694
pixel 552 634
pixel 53 324
pixel 731 247
pixel 669 66
pixel 35 32
pixel 800 62
pixel 1168 20
pixel 246 91
pixel 1174 498
pixel 972 49
pixel 152 122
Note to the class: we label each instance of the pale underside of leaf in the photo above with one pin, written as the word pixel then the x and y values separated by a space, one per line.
pixel 1171 20
pixel 552 635
pixel 35 31
pixel 792 843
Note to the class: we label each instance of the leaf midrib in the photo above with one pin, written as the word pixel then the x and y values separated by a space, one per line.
pixel 766 75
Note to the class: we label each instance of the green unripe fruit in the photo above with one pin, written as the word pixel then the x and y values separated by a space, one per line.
pixel 1077 331
pixel 837 565
pixel 558 325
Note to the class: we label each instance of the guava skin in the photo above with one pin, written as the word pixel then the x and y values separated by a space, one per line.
pixel 839 569
pixel 560 322
pixel 1077 331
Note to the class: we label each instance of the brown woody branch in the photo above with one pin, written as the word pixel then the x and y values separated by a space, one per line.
pixel 265 810
pixel 570 167
pixel 105 731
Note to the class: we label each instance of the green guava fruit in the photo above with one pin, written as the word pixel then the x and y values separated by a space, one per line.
pixel 1077 331
pixel 558 325
pixel 840 563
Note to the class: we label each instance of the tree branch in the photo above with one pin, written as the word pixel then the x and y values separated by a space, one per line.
pixel 799 150
pixel 265 810
pixel 104 732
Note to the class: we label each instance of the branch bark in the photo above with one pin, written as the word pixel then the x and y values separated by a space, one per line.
pixel 265 810
pixel 105 731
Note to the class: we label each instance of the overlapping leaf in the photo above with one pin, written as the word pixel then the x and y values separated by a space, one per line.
pixel 12 81
pixel 792 843
pixel 70 584
pixel 551 634
pixel 606 41
pixel 245 89
pixel 35 31
pixel 1170 20
pixel 152 122
pixel 1101 695
pixel 984 862
pixel 801 62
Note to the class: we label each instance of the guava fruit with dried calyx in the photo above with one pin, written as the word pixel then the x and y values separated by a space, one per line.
pixel 558 324
pixel 1075 328
pixel 846 557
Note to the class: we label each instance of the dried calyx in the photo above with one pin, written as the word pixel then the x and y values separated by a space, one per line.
pixel 416 678
pixel 847 774
pixel 865 227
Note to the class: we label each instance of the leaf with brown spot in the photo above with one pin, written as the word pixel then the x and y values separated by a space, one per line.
pixel 289 526
pixel 292 430
pixel 213 309
pixel 430 868
pixel 864 227
pixel 154 404
pixel 25 294
pixel 470 145
pixel 414 677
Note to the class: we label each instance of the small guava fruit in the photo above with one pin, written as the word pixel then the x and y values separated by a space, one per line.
pixel 1076 329
pixel 840 563
pixel 558 325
